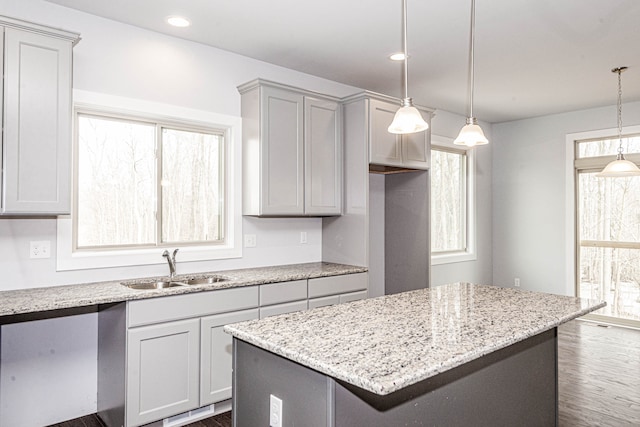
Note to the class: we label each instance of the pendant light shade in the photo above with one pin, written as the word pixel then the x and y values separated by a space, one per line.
pixel 471 134
pixel 407 119
pixel 620 167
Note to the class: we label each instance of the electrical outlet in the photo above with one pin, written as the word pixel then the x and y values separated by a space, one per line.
pixel 40 249
pixel 303 237
pixel 249 240
pixel 275 411
pixel 516 282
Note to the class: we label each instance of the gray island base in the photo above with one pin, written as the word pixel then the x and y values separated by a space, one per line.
pixel 454 355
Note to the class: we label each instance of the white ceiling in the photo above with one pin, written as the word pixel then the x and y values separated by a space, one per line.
pixel 533 57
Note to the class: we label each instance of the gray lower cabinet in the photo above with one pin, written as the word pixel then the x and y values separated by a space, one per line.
pixel 331 290
pixel 160 357
pixel 163 370
pixel 216 350
pixel 36 113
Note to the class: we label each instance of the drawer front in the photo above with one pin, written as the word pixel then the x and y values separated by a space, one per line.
pixel 276 293
pixel 289 307
pixel 353 296
pixel 155 310
pixel 332 285
pixel 324 301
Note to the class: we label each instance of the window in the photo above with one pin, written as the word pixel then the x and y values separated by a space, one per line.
pixel 608 228
pixel 452 203
pixel 144 184
pixel 146 180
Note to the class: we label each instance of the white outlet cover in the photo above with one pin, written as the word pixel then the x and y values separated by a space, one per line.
pixel 275 411
pixel 40 249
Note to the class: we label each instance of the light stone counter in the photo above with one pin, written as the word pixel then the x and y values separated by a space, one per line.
pixel 388 343
pixel 35 300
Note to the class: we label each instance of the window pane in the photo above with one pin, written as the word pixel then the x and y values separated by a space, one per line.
pixel 192 187
pixel 608 147
pixel 448 201
pixel 612 274
pixel 115 182
pixel 609 208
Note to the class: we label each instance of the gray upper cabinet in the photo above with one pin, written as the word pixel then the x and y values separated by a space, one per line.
pixel 36 137
pixel 292 151
pixel 386 149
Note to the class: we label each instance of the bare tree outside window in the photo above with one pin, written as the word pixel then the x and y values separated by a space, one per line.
pixel 609 232
pixel 140 184
pixel 448 201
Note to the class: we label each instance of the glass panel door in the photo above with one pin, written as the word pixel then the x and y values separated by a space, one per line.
pixel 609 244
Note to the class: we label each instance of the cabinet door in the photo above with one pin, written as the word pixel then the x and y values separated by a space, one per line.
pixel 384 148
pixel 333 285
pixel 216 355
pixel 37 124
pixel 162 370
pixel 323 157
pixel 416 147
pixel 282 152
pixel 289 307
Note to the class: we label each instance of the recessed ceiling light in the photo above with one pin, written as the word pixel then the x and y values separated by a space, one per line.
pixel 397 56
pixel 178 21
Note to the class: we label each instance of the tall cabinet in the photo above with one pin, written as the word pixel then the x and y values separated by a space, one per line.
pixel 292 151
pixel 36 118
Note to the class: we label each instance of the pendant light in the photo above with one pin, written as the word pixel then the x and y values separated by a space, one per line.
pixel 471 134
pixel 407 119
pixel 619 167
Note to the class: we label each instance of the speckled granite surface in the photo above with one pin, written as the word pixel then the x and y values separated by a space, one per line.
pixel 385 344
pixel 71 296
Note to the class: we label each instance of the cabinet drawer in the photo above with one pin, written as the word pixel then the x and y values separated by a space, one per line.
pixel 353 296
pixel 332 285
pixel 289 307
pixel 324 301
pixel 276 293
pixel 154 310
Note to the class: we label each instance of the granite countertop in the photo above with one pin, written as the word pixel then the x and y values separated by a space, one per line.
pixel 385 344
pixel 35 300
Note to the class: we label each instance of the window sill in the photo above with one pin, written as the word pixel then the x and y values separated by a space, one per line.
pixel 452 257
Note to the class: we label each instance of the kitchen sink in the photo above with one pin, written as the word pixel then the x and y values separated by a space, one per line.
pixel 172 283
pixel 205 280
pixel 152 284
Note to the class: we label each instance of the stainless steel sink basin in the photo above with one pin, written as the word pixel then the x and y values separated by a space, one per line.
pixel 206 280
pixel 172 283
pixel 152 284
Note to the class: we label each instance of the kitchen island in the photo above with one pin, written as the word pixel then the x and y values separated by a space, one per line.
pixel 458 354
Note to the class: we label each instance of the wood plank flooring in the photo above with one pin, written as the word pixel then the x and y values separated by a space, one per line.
pixel 599 379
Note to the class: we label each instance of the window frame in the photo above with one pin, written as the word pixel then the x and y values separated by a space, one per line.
pixel 469 253
pixel 168 116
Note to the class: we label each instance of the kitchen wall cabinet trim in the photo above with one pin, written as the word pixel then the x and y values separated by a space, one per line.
pixel 163 370
pixel 36 137
pixel 292 151
pixel 216 355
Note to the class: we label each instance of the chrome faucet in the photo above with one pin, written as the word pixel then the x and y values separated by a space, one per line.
pixel 171 259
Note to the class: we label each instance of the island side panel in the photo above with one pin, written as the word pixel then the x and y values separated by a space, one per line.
pixel 513 386
pixel 307 396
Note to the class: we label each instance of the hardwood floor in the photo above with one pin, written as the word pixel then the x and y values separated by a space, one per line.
pixel 599 375
pixel 599 379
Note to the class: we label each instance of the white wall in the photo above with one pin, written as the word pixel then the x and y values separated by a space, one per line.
pixel 122 60
pixel 479 270
pixel 531 238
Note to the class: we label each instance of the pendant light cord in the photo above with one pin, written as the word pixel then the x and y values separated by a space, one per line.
pixel 619 71
pixel 471 56
pixel 404 46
